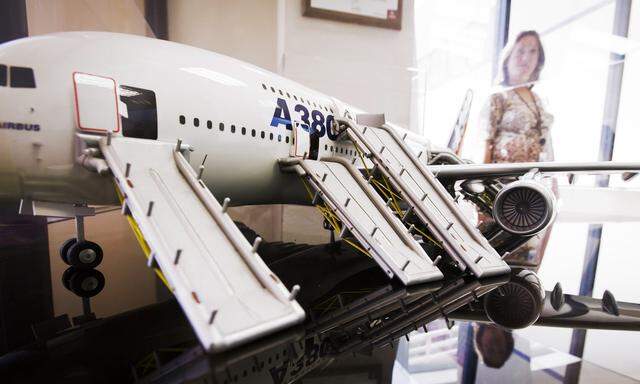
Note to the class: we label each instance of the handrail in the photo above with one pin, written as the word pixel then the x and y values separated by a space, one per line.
pixel 434 183
pixel 241 245
pixel 391 219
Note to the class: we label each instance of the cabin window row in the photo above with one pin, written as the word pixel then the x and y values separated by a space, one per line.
pixel 243 130
pixel 296 98
pixel 337 149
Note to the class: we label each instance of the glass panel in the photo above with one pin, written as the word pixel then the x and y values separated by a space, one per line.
pixel 454 50
pixel 22 77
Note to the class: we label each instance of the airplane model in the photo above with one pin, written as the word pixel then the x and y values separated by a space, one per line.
pixel 176 134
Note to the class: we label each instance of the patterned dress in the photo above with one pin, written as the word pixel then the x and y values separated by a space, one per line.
pixel 518 131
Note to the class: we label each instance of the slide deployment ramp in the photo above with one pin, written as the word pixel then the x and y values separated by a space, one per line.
pixel 226 291
pixel 428 198
pixel 364 213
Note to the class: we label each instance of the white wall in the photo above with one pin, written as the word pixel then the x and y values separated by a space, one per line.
pixel 243 29
pixel 368 67
pixel 122 16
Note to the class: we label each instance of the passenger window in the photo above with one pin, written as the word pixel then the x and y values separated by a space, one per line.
pixel 3 75
pixel 22 77
pixel 142 113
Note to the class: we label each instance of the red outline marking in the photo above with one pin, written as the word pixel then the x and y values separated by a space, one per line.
pixel 75 96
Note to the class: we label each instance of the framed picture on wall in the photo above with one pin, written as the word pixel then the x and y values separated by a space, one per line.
pixel 377 13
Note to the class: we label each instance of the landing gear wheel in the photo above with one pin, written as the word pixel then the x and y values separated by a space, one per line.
pixel 66 277
pixel 86 282
pixel 64 249
pixel 85 255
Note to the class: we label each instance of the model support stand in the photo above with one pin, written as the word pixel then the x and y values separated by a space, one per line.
pixel 81 255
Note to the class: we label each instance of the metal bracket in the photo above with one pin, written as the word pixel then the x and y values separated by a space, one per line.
pixel 30 207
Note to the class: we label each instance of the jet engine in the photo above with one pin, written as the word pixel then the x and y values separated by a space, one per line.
pixel 524 207
pixel 518 303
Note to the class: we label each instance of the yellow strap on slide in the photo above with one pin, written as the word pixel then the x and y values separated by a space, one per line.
pixel 143 243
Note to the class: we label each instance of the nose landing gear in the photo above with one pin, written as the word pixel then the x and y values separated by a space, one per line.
pixel 81 278
pixel 83 282
pixel 81 253
pixel 86 254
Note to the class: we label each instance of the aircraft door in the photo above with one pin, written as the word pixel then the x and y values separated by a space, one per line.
pixel 96 103
pixel 306 142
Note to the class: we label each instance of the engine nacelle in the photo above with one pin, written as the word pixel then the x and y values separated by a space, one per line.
pixel 524 207
pixel 518 303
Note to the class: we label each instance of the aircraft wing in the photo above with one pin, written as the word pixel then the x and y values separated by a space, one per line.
pixel 226 291
pixel 575 311
pixel 587 312
pixel 485 171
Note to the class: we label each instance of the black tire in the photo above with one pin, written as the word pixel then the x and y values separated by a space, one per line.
pixel 86 254
pixel 86 282
pixel 64 249
pixel 66 277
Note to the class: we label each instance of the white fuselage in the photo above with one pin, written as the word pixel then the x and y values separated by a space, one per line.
pixel 38 126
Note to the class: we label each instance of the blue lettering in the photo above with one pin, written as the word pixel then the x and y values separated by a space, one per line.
pixel 281 115
pixel 329 122
pixel 304 116
pixel 19 126
pixel 317 123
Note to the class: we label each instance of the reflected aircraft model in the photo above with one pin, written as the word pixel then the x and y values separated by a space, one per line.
pixel 175 135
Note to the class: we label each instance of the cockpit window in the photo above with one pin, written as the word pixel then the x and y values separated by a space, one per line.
pixel 3 75
pixel 22 77
pixel 141 118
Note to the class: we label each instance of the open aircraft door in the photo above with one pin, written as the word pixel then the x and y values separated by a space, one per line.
pixel 301 143
pixel 96 101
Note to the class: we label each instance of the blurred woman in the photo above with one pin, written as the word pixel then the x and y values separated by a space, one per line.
pixel 518 123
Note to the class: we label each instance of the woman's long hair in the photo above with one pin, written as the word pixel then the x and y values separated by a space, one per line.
pixel 503 76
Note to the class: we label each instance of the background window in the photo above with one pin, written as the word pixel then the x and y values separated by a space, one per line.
pixel 142 113
pixel 22 77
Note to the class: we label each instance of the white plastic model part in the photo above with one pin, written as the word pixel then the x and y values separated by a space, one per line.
pixel 302 144
pixel 367 218
pixel 429 200
pixel 96 103
pixel 226 291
